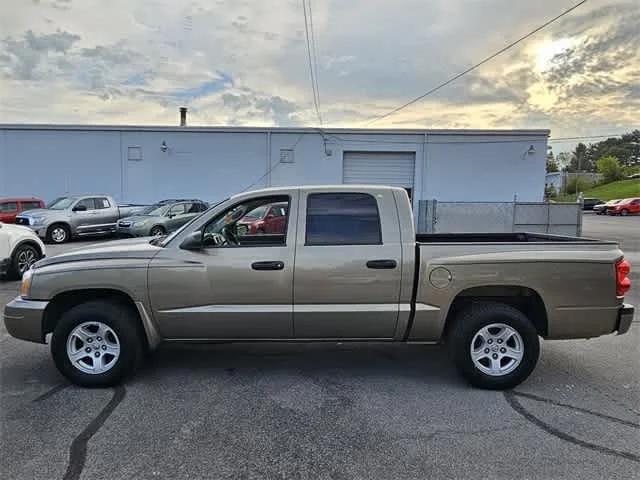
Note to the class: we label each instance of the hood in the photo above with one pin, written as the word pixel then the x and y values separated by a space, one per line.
pixel 37 212
pixel 131 248
pixel 12 228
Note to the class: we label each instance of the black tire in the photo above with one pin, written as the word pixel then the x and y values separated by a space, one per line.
pixel 469 322
pixel 624 212
pixel 23 253
pixel 121 319
pixel 157 231
pixel 53 235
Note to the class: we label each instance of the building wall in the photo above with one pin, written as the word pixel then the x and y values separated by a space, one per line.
pixel 212 165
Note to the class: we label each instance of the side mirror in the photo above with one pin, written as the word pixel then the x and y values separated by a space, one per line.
pixel 80 208
pixel 193 241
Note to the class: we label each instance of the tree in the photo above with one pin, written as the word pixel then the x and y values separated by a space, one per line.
pixel 610 168
pixel 581 159
pixel 578 184
pixel 552 166
pixel 563 160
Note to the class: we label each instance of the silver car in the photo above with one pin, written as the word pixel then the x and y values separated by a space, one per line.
pixel 160 218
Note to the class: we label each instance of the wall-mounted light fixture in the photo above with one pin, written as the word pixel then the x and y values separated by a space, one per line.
pixel 163 146
pixel 531 150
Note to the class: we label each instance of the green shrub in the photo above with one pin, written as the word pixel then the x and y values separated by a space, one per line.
pixel 610 168
pixel 577 184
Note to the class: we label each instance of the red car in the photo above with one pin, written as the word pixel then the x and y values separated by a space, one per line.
pixel 625 207
pixel 270 218
pixel 10 207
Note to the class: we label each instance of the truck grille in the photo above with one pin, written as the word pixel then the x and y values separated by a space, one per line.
pixel 22 221
pixel 124 224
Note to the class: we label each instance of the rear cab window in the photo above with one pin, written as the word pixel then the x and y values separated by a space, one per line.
pixel 8 207
pixel 342 219
pixel 31 205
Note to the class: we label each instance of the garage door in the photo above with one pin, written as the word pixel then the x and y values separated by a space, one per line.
pixel 379 168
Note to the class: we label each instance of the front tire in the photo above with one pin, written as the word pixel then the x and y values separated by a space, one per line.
pixel 157 231
pixel 624 212
pixel 97 343
pixel 58 233
pixel 23 258
pixel 494 345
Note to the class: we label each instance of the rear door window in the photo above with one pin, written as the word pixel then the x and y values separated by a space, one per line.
pixel 102 202
pixel 8 207
pixel 342 219
pixel 30 205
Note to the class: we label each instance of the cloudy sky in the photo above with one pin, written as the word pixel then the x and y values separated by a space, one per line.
pixel 239 62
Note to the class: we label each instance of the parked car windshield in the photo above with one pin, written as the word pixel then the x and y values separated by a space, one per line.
pixel 61 203
pixel 156 209
pixel 257 212
pixel 163 241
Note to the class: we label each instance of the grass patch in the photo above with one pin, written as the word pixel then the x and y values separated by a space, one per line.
pixel 608 191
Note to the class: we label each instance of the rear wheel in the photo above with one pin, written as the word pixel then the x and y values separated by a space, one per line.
pixel 58 233
pixel 97 343
pixel 624 212
pixel 494 345
pixel 23 258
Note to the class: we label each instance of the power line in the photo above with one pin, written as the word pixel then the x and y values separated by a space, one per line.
pixel 315 54
pixel 491 57
pixel 613 135
pixel 316 98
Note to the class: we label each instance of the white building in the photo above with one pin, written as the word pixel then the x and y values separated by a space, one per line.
pixel 144 164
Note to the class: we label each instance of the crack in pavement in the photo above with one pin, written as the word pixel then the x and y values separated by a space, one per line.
pixel 511 398
pixel 78 449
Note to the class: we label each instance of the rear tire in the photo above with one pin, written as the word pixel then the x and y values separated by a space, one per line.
pixel 97 343
pixel 498 357
pixel 22 259
pixel 58 233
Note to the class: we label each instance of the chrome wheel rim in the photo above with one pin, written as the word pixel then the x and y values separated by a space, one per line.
pixel 26 258
pixel 58 234
pixel 497 349
pixel 93 348
pixel 156 232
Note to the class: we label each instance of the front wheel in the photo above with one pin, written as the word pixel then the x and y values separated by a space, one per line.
pixel 97 343
pixel 23 258
pixel 624 212
pixel 494 345
pixel 58 233
pixel 157 231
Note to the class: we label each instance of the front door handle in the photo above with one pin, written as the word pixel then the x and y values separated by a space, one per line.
pixel 270 265
pixel 382 264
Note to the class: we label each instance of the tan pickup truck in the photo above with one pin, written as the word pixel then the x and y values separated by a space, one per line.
pixel 346 265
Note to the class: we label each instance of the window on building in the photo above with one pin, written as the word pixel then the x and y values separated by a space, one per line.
pixel 342 219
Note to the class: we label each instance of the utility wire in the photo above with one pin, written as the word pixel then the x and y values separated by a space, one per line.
pixel 490 57
pixel 314 51
pixel 316 97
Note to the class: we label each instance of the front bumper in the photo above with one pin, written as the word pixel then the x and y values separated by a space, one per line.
pixel 133 231
pixel 24 319
pixel 625 317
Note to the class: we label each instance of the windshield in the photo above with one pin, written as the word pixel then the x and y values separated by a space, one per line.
pixel 156 209
pixel 61 203
pixel 163 241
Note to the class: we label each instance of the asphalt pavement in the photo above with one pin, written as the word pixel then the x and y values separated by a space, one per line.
pixel 329 411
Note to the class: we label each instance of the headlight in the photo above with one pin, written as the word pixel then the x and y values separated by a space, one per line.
pixel 34 220
pixel 26 284
pixel 139 224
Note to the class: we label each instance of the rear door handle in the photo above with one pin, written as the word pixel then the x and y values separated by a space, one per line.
pixel 382 264
pixel 270 265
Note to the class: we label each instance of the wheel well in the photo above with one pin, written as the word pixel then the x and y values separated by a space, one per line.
pixel 30 243
pixel 66 300
pixel 525 299
pixel 62 224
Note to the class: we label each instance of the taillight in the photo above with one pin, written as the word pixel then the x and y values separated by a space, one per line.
pixel 623 284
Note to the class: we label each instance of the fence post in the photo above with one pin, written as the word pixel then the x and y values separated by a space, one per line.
pixel 434 215
pixel 513 215
pixel 579 208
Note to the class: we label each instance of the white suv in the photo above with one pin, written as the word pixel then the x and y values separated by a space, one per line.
pixel 20 248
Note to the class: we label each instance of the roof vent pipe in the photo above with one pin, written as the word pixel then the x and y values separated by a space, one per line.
pixel 183 116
